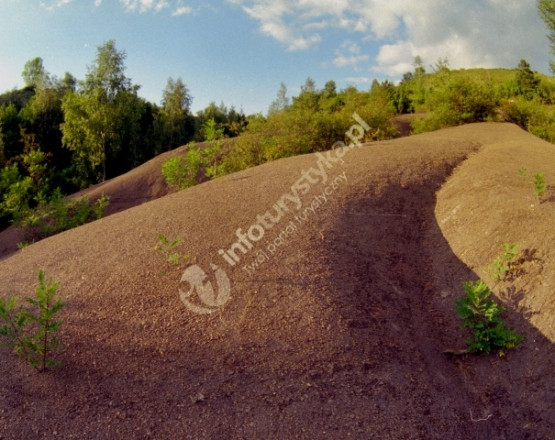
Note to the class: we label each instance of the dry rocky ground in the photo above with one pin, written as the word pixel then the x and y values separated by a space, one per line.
pixel 338 312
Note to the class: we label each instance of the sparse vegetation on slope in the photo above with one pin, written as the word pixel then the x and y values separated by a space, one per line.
pixel 482 316
pixel 31 333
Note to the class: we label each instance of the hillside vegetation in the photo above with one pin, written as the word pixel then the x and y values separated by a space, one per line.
pixel 61 135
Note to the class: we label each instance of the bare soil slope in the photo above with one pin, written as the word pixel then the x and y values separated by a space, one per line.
pixel 138 186
pixel 339 309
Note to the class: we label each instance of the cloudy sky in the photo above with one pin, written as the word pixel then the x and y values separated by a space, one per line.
pixel 239 51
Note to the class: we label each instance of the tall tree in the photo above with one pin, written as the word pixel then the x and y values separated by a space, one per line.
pixel 418 66
pixel 34 73
pixel 10 133
pixel 176 98
pixel 99 114
pixel 175 120
pixel 526 80
pixel 281 102
pixel 308 98
pixel 547 12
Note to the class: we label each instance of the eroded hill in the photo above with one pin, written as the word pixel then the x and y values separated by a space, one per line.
pixel 343 269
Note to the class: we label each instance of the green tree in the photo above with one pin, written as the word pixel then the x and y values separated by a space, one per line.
pixel 308 99
pixel 526 81
pixel 34 73
pixel 176 98
pixel 174 120
pixel 68 83
pixel 41 117
pixel 98 115
pixel 418 93
pixel 230 121
pixel 547 12
pixel 418 66
pixel 441 65
pixel 281 102
pixel 211 131
pixel 10 137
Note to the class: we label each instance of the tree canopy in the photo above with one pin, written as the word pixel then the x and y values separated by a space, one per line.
pixel 547 12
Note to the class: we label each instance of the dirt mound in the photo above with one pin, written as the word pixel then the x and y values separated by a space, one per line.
pixel 329 284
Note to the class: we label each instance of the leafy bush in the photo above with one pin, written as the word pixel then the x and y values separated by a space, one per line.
pixel 461 101
pixel 532 116
pixel 483 317
pixel 196 165
pixel 177 174
pixel 211 130
pixel 60 214
pixel 31 334
pixel 244 152
pixel 314 122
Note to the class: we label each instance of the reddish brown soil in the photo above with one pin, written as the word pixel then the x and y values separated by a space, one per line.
pixel 338 334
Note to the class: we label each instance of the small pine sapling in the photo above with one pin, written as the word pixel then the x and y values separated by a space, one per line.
pixel 31 334
pixel 539 184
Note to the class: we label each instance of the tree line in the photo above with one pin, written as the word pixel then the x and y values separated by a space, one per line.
pixel 64 134
pixel 58 135
pixel 99 127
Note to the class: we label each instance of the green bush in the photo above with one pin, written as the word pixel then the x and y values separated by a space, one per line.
pixel 313 123
pixel 31 334
pixel 483 317
pixel 245 152
pixel 533 116
pixel 178 173
pixel 461 101
pixel 59 214
pixel 196 165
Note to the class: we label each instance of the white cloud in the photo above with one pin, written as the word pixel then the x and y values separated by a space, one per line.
pixel 349 55
pixel 143 6
pixel 182 10
pixel 468 33
pixel 358 80
pixel 53 5
pixel 274 18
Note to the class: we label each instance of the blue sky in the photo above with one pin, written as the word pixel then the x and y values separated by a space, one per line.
pixel 239 51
